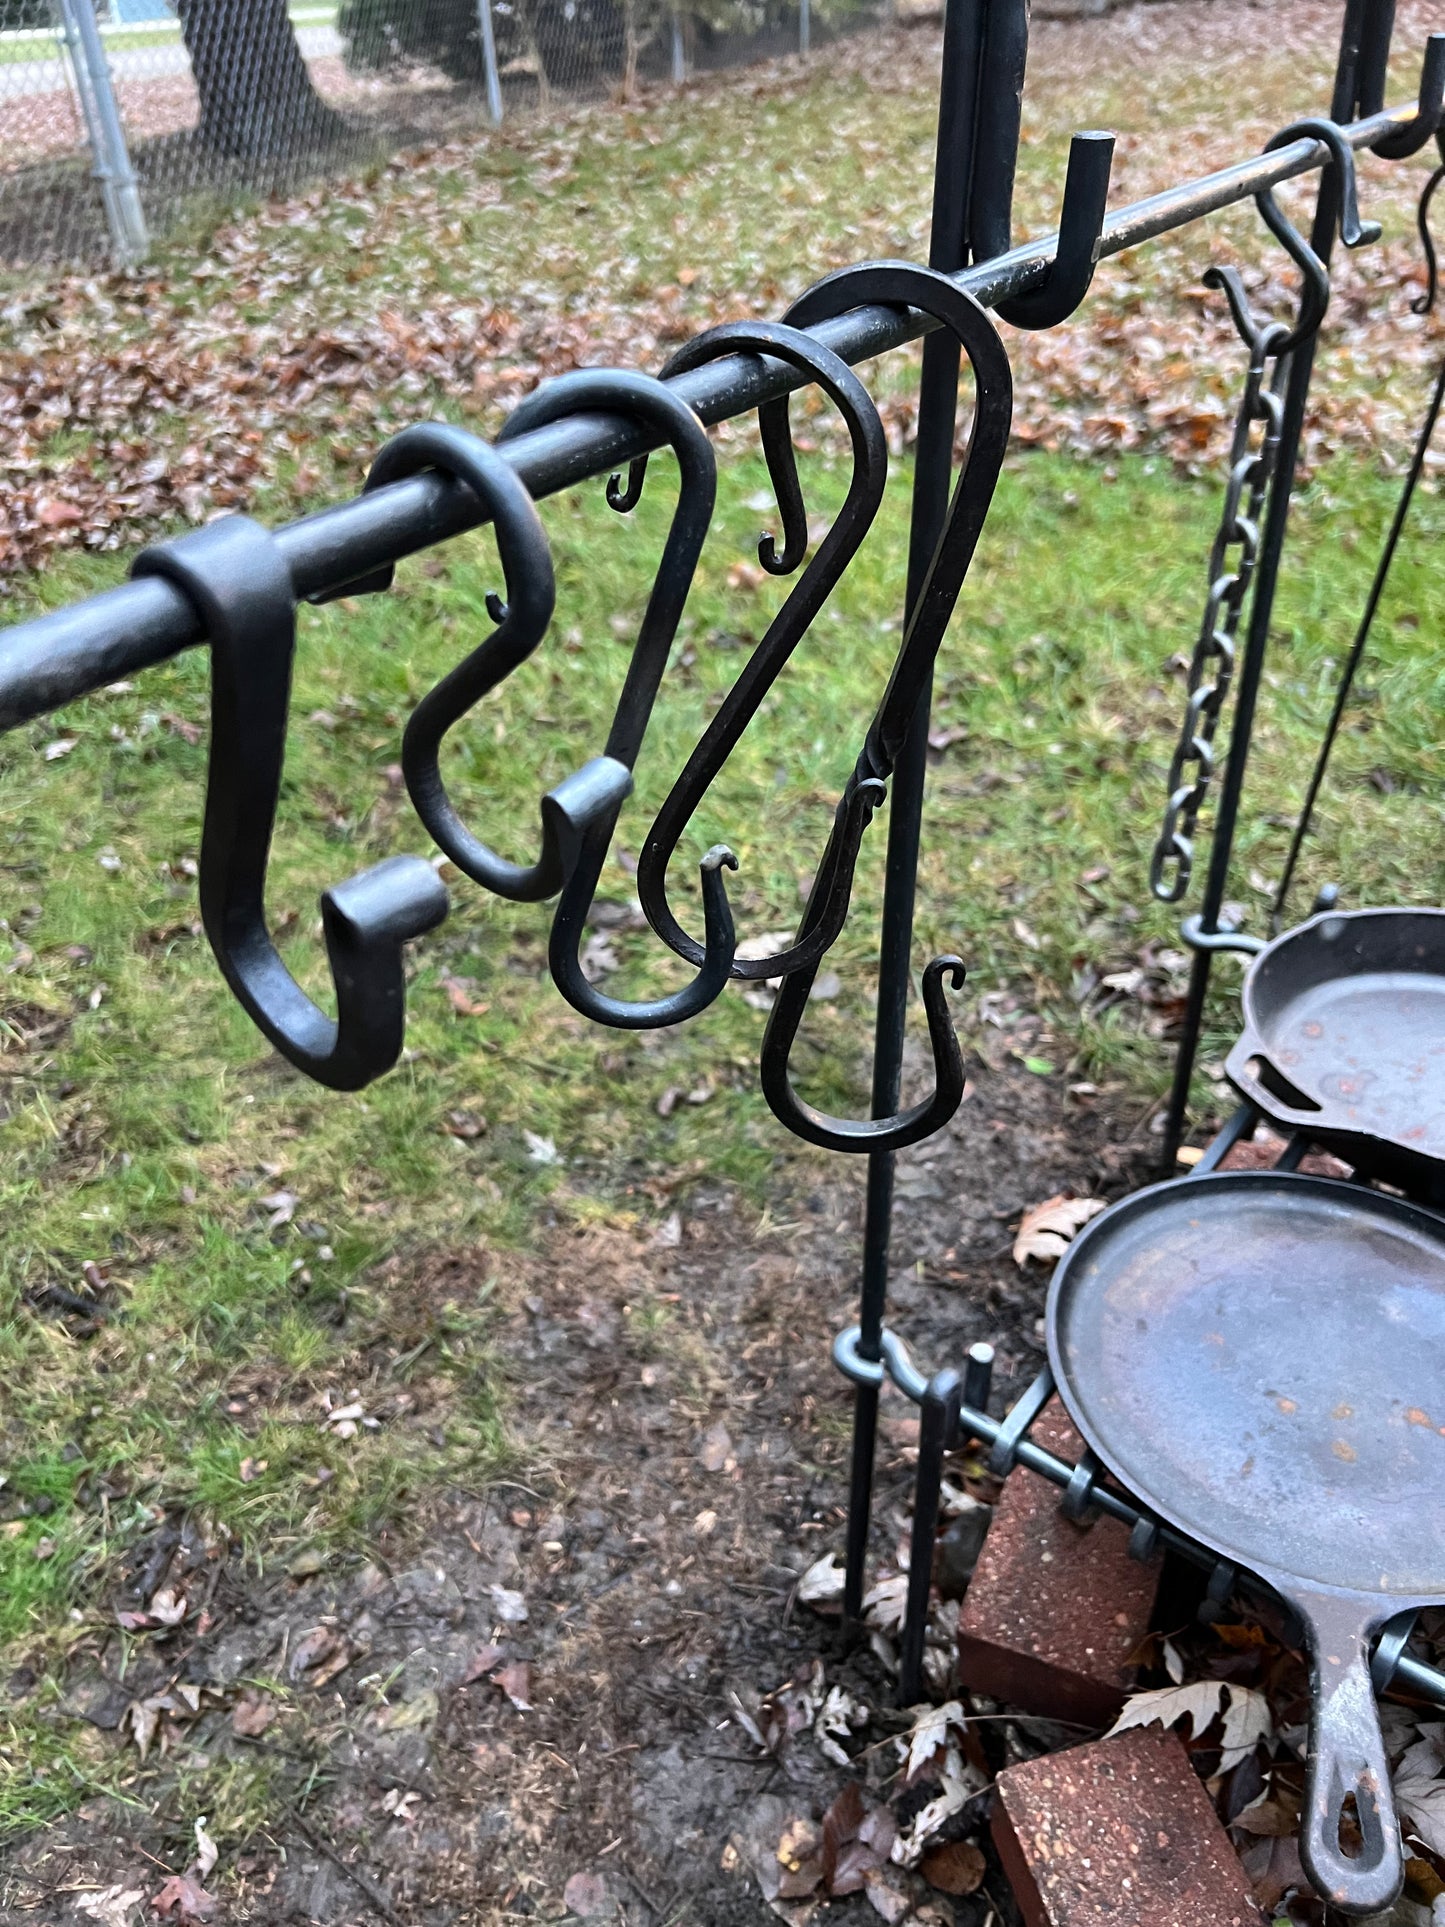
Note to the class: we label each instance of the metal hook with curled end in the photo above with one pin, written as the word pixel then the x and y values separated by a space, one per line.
pixel 234 574
pixel 785 631
pixel 1422 304
pixel 604 391
pixel 1355 233
pixel 1081 227
pixel 895 284
pixel 600 786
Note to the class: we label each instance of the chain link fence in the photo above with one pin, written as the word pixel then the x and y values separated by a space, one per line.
pixel 120 119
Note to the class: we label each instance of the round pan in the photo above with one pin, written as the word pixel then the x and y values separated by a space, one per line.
pixel 1344 1037
pixel 1260 1358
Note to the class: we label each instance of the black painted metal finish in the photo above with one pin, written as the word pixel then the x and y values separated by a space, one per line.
pixel 237 578
pixel 1259 1357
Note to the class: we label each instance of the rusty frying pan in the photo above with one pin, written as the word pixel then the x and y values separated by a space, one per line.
pixel 1260 1358
pixel 1344 1037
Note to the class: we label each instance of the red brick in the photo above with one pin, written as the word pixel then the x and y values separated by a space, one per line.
pixel 1054 1611
pixel 1119 1833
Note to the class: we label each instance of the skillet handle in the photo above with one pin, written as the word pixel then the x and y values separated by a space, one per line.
pixel 1247 1050
pixel 1347 1756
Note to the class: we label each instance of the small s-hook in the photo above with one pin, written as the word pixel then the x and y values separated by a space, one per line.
pixel 1355 233
pixel 785 631
pixel 1081 228
pixel 235 575
pixel 648 403
pixel 523 618
pixel 894 284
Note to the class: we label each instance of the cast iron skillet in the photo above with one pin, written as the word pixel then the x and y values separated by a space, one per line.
pixel 1344 1037
pixel 1260 1358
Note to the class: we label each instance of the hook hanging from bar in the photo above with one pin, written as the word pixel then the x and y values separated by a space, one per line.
pixel 894 283
pixel 1081 225
pixel 235 575
pixel 1410 138
pixel 591 792
pixel 603 391
pixel 785 631
pixel 1354 232
pixel 1422 304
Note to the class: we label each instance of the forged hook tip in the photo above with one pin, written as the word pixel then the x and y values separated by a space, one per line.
pixel 624 496
pixel 496 608
pixel 777 562
pixel 717 858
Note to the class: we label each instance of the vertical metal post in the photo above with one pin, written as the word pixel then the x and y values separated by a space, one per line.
pixel 1364 54
pixel 933 461
pixel 805 26
pixel 489 61
pixel 119 190
pixel 679 51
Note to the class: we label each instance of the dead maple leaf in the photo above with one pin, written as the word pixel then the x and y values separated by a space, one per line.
pixel 1047 1228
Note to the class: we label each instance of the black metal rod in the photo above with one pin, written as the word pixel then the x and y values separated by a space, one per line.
pixel 1357 648
pixel 53 659
pixel 963 34
pixel 1361 22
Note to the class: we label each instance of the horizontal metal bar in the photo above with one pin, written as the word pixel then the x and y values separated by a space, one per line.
pixel 54 659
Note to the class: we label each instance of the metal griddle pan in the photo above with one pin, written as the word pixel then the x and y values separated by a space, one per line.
pixel 1344 1037
pixel 1260 1358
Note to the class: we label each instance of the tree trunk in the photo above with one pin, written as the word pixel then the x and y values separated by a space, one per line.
pixel 257 100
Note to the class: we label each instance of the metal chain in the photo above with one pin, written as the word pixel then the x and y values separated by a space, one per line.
pixel 1251 470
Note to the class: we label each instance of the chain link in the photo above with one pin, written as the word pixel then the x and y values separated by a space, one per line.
pixel 1252 464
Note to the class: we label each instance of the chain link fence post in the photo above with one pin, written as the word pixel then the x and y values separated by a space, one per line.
pixel 805 26
pixel 489 61
pixel 119 189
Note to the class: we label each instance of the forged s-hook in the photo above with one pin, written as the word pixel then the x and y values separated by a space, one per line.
pixel 1354 232
pixel 660 410
pixel 591 792
pixel 785 631
pixel 1422 304
pixel 234 574
pixel 896 283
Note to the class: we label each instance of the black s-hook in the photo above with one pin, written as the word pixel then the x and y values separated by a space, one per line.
pixel 234 574
pixel 898 283
pixel 522 619
pixel 1354 232
pixel 785 631
pixel 648 402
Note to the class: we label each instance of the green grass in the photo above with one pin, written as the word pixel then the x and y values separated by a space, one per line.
pixel 145 1132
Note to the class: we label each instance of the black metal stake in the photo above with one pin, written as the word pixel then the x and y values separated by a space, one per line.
pixel 964 26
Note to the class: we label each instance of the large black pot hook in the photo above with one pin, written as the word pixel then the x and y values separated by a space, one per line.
pixel 523 618
pixel 647 401
pixel 234 574
pixel 1081 228
pixel 785 631
pixel 895 284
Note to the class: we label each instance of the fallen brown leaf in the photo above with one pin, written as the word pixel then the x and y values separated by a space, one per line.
pixel 958 1867
pixel 1047 1228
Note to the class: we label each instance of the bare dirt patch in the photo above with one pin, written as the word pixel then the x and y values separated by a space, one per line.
pixel 532 1685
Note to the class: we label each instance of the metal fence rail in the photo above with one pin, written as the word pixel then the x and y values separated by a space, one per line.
pixel 120 117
